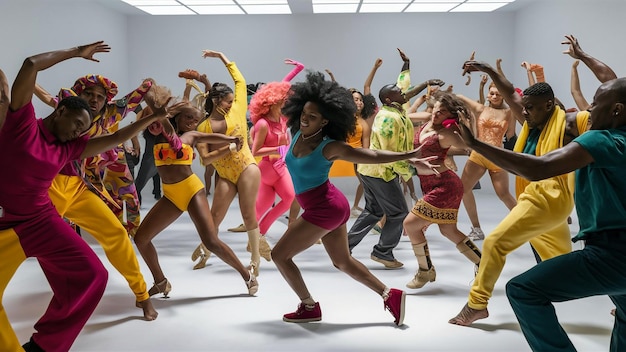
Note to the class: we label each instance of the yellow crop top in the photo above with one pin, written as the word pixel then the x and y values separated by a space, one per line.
pixel 165 155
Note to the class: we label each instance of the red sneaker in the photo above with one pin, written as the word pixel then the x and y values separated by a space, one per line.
pixel 395 305
pixel 304 314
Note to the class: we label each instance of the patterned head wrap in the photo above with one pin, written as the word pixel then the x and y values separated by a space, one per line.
pixel 96 80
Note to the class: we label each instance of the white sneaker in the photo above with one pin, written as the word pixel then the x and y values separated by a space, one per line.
pixel 476 234
pixel 354 213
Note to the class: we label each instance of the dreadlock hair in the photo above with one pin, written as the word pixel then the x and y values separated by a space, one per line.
pixel 334 102
pixel 453 104
pixel 541 89
pixel 76 103
pixel 216 94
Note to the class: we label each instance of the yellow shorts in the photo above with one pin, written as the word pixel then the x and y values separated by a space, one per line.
pixel 482 161
pixel 180 193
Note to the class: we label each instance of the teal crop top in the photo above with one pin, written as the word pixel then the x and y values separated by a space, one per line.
pixel 311 170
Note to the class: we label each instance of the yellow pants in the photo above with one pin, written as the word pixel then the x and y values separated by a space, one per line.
pixel 540 217
pixel 74 201
pixel 12 256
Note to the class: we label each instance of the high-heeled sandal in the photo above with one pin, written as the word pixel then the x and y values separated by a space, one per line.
pixel 255 268
pixel 163 287
pixel 252 283
pixel 200 252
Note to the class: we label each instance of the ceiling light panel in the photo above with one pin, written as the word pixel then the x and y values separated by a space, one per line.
pixel 335 8
pixel 267 9
pixel 262 2
pixel 206 2
pixel 479 7
pixel 379 8
pixel 166 10
pixel 386 1
pixel 218 10
pixel 152 2
pixel 431 7
pixel 335 2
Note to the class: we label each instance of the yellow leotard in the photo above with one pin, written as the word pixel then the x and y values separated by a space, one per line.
pixel 232 165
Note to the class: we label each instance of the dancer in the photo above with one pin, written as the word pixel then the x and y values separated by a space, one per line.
pixel 107 175
pixel 392 131
pixel 271 141
pixel 184 191
pixel 441 187
pixel 600 267
pixel 493 122
pixel 239 173
pixel 540 216
pixel 30 225
pixel 76 198
pixel 321 116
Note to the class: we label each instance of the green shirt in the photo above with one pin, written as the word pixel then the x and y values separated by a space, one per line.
pixel 601 186
pixel 391 131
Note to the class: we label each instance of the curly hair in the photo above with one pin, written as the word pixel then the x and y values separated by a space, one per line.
pixel 451 103
pixel 541 89
pixel 334 102
pixel 218 92
pixel 266 96
pixel 369 106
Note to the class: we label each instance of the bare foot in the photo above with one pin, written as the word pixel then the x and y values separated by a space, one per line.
pixel 469 315
pixel 149 313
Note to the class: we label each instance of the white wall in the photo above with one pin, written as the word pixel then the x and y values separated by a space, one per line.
pixel 160 46
pixel 598 25
pixel 29 27
pixel 346 44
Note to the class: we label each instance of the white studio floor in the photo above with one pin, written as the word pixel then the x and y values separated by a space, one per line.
pixel 208 309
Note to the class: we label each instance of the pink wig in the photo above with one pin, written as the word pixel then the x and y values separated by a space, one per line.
pixel 268 95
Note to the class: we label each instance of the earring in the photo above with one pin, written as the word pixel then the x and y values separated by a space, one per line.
pixel 615 113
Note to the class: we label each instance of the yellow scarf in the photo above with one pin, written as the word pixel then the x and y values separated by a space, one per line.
pixel 551 138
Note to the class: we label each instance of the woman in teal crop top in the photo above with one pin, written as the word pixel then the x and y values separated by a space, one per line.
pixel 321 116
pixel 184 191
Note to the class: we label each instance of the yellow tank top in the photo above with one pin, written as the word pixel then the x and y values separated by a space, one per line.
pixel 165 155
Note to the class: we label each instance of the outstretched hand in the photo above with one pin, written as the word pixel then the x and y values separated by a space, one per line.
pixel 402 56
pixel 89 50
pixel 426 162
pixel 210 53
pixel 574 50
pixel 378 62
pixel 467 127
pixel 291 62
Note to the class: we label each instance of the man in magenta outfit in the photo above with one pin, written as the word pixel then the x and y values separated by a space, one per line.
pixel 35 150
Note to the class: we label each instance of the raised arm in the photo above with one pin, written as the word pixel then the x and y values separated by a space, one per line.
pixel 330 73
pixel 406 62
pixel 367 87
pixel 577 94
pixel 44 96
pixel 413 91
pixel 481 89
pixel 529 73
pixel 557 162
pixel 505 87
pixel 5 100
pixel 105 142
pixel 297 69
pixel 24 84
pixel 602 71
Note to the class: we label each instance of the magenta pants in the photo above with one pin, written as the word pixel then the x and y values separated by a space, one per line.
pixel 275 180
pixel 324 206
pixel 74 272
